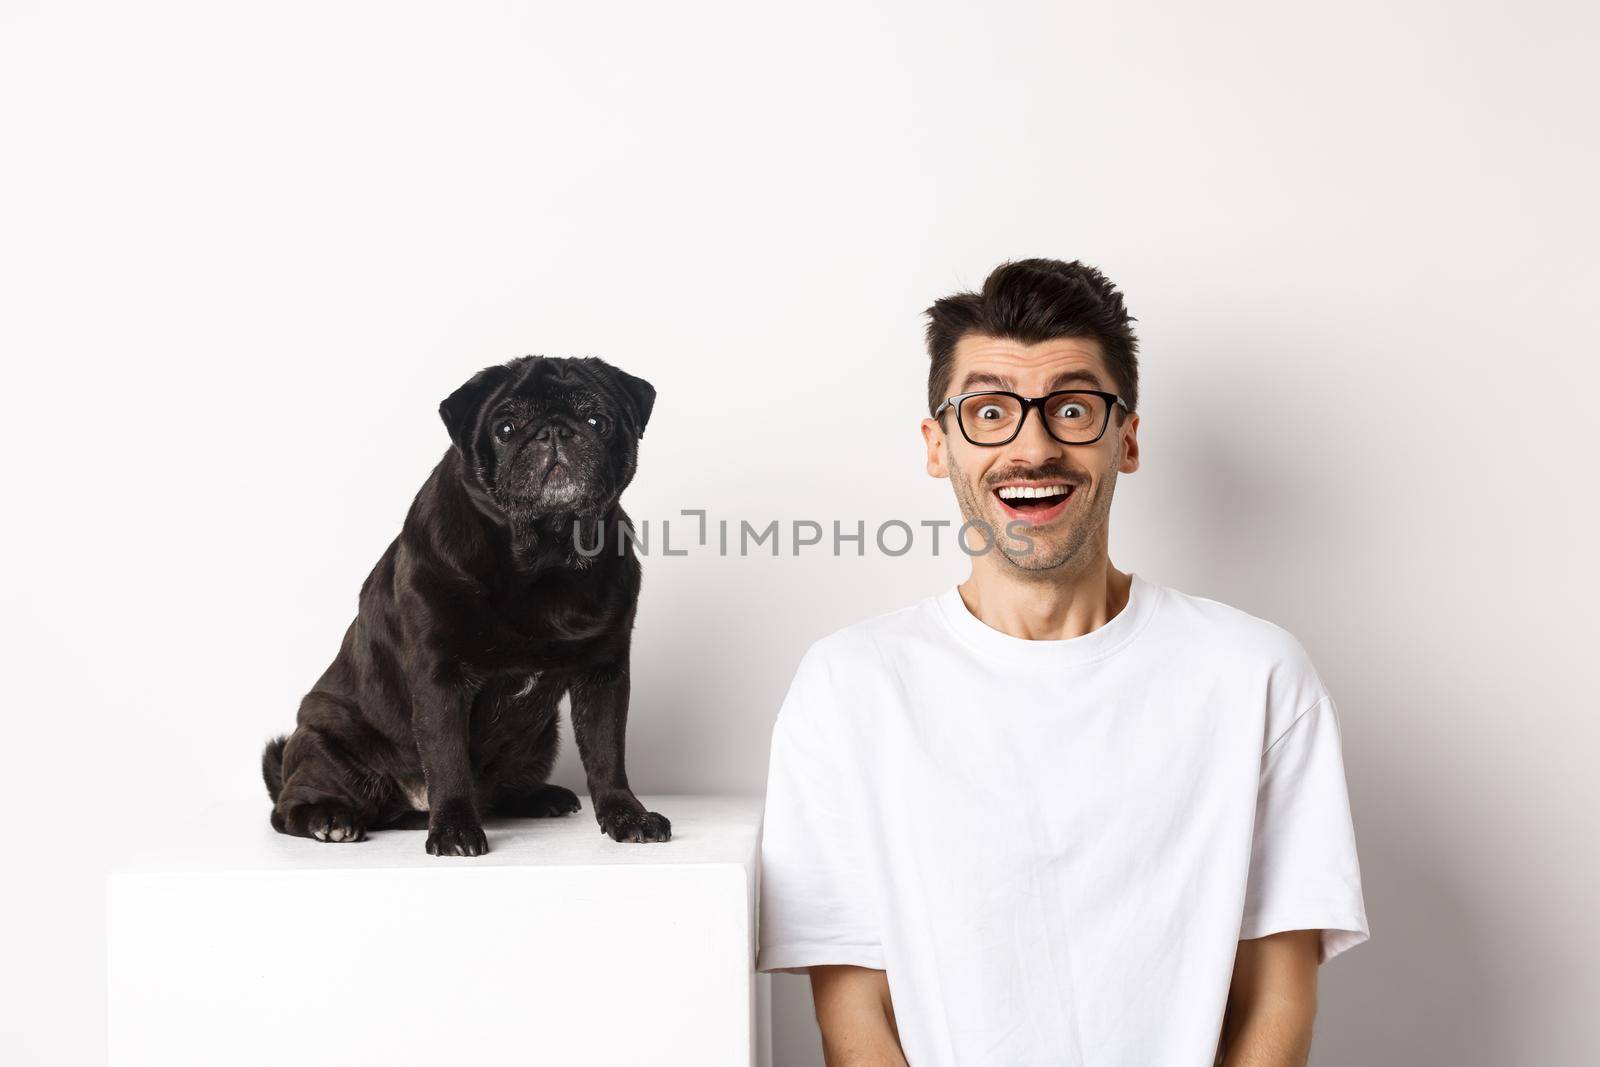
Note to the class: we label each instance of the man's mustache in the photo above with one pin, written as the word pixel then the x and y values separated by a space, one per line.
pixel 1036 474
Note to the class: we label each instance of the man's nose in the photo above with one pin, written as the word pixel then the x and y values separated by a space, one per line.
pixel 1033 439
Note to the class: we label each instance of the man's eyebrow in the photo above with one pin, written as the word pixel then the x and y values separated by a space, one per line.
pixel 1081 376
pixel 982 377
pixel 1000 381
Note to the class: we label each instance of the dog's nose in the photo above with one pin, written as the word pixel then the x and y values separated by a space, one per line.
pixel 559 430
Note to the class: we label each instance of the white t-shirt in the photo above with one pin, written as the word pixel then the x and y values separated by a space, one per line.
pixel 1053 848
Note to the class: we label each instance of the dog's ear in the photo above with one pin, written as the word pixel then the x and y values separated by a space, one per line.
pixel 638 395
pixel 459 410
pixel 641 396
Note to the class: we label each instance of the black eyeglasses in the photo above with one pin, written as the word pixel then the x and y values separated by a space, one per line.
pixel 995 417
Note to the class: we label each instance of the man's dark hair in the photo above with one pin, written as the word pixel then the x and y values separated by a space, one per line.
pixel 1034 300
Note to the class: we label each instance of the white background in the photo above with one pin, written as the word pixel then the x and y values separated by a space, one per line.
pixel 246 250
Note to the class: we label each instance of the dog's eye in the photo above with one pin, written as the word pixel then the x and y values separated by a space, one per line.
pixel 598 422
pixel 504 429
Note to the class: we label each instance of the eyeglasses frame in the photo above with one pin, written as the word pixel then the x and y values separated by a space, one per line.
pixel 1028 403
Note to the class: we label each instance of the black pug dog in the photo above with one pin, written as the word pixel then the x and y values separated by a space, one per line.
pixel 482 613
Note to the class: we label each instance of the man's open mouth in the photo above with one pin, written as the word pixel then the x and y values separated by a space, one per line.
pixel 1034 503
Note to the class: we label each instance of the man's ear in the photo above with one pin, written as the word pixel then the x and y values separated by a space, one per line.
pixel 459 410
pixel 1130 444
pixel 933 440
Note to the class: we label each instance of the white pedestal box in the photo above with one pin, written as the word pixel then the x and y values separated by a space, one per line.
pixel 237 945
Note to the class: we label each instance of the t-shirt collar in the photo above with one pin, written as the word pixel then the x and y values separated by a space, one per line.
pixel 1092 646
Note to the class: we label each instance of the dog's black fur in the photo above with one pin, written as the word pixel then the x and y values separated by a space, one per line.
pixel 477 619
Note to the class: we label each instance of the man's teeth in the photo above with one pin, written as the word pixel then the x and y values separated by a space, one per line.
pixel 1031 492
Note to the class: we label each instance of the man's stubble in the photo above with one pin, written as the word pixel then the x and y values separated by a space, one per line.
pixel 1066 546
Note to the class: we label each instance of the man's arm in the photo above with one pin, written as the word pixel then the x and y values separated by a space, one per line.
pixel 1272 1001
pixel 856 1017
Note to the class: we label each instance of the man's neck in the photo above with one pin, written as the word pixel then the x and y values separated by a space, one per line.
pixel 1055 609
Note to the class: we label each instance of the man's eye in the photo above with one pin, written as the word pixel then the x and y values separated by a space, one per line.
pixel 991 411
pixel 504 429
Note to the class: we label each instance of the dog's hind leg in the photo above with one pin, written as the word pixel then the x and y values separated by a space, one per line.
pixel 541 802
pixel 522 790
pixel 325 796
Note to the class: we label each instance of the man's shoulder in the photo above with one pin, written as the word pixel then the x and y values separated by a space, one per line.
pixel 837 671
pixel 1226 627
pixel 1254 646
pixel 871 642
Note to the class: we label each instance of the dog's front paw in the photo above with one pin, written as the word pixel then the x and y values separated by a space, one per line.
pixel 457 834
pixel 625 824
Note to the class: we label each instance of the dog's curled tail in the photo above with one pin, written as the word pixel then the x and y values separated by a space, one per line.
pixel 272 766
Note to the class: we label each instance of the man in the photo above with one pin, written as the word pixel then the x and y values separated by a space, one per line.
pixel 1059 813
